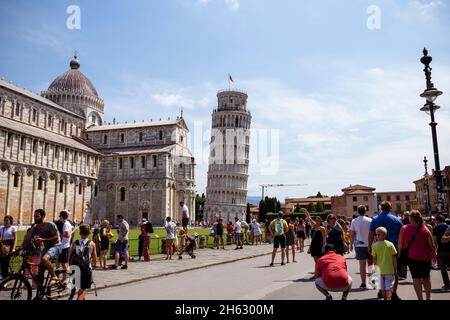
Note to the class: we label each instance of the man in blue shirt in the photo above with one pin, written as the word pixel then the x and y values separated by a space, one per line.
pixel 393 224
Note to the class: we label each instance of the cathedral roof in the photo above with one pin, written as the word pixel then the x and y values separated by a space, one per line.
pixel 46 135
pixel 73 81
pixel 134 125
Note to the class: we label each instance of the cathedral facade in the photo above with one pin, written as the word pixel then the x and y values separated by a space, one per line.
pixel 58 153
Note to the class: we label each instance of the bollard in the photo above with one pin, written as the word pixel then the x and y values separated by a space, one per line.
pixel 202 241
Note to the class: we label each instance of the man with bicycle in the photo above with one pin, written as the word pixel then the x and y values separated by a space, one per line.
pixel 46 235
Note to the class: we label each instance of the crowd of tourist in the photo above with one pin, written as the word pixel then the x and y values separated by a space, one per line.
pixel 385 246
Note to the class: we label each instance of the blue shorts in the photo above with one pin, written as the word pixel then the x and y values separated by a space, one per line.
pixel 52 251
pixel 238 236
pixel 121 246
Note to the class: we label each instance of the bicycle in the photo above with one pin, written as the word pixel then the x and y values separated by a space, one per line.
pixel 17 286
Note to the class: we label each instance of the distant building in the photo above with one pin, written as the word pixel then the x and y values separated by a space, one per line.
pixel 401 201
pixel 292 203
pixel 346 205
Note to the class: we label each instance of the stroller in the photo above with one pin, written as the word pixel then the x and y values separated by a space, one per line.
pixel 189 247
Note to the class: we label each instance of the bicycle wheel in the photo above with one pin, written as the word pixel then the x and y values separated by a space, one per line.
pixel 15 287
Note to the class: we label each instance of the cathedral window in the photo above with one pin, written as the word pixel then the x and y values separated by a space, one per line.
pixel 35 146
pixel 16 179
pixel 120 163
pixel 34 115
pixel 80 188
pixel 132 163
pixel 140 136
pixel 160 135
pixel 22 143
pixel 95 190
pixel 75 157
pixel 50 118
pixel 46 149
pixel 181 139
pixel 143 161
pixel 61 186
pixel 105 139
pixel 17 109
pixel 122 194
pixel 40 180
pixel 154 161
pixel 56 152
pixel 9 139
pixel 122 137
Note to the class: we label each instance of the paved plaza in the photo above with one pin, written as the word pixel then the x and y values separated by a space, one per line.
pixel 233 275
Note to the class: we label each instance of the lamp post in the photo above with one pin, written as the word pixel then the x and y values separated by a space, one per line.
pixel 426 176
pixel 430 94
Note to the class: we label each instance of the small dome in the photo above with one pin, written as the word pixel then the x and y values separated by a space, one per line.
pixel 73 81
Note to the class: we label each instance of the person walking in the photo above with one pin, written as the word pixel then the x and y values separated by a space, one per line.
pixel 290 240
pixel 230 233
pixel 66 236
pixel 219 234
pixel 238 233
pixel 301 235
pixel 385 257
pixel 318 238
pixel 105 235
pixel 184 215
pixel 278 227
pixel 122 242
pixel 83 254
pixel 417 240
pixel 443 250
pixel 170 237
pixel 359 235
pixel 256 230
pixel 331 274
pixel 8 237
pixel 335 234
pixel 392 224
pixel 141 238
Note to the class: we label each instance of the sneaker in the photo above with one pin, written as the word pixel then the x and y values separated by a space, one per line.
pixel 445 288
pixel 124 267
pixel 329 297
pixel 271 264
pixel 282 263
pixel 363 285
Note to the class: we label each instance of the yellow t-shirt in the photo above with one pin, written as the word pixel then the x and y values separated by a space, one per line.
pixel 384 251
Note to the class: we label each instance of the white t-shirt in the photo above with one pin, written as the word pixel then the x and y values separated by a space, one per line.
pixel 256 229
pixel 185 212
pixel 237 227
pixel 8 233
pixel 65 242
pixel 170 227
pixel 361 226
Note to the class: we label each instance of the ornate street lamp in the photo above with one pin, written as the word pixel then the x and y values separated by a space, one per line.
pixel 426 176
pixel 430 94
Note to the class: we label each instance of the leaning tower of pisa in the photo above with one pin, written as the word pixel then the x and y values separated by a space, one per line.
pixel 226 190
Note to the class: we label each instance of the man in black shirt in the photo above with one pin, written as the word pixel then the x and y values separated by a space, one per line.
pixel 443 250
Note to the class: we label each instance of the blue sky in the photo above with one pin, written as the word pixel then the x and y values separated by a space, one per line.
pixel 343 98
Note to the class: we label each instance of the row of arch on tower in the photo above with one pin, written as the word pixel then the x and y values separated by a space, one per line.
pixel 231 121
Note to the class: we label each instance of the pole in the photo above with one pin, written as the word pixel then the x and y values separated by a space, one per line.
pixel 437 171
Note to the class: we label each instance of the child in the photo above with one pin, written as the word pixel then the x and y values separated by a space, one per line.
pixel 83 253
pixel 384 256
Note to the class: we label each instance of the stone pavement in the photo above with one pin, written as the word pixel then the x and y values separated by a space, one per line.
pixel 158 266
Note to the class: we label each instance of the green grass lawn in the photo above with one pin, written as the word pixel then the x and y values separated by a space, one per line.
pixel 155 238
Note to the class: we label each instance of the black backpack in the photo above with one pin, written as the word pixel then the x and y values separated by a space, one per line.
pixel 149 227
pixel 80 256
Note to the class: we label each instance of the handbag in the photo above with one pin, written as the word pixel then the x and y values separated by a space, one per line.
pixel 403 259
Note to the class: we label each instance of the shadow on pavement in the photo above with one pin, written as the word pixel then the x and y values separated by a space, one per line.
pixel 304 280
pixel 438 291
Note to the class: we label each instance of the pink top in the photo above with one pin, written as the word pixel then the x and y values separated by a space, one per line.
pixel 419 249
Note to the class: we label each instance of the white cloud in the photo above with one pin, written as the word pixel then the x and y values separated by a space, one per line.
pixel 426 8
pixel 172 100
pixel 232 4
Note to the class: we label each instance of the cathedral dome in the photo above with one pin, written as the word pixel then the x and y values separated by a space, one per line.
pixel 73 82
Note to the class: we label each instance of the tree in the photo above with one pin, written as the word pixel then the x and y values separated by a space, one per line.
pixel 262 210
pixel 320 207
pixel 248 216
pixel 199 205
pixel 297 208
pixel 311 207
pixel 319 195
